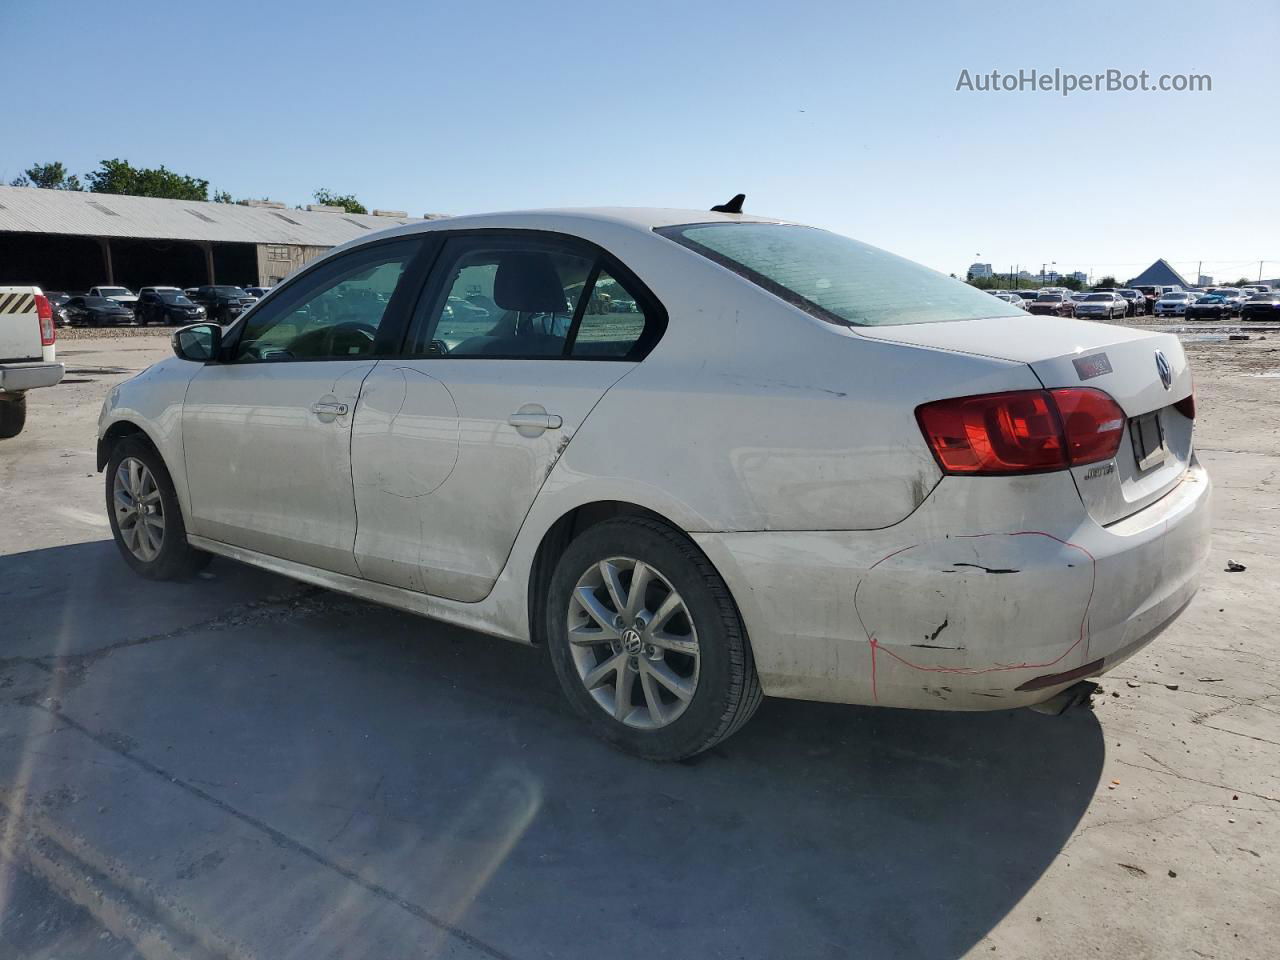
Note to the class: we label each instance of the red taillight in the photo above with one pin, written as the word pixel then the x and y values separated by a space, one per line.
pixel 1094 423
pixel 1187 405
pixel 44 310
pixel 1026 431
pixel 994 433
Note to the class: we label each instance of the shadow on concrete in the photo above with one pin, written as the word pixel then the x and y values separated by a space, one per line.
pixel 429 766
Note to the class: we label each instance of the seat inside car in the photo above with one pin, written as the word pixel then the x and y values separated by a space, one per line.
pixel 527 288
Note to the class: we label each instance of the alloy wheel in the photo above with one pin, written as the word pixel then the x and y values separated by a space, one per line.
pixel 633 642
pixel 139 509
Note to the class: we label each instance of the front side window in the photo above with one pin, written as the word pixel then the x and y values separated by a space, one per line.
pixel 836 278
pixel 333 313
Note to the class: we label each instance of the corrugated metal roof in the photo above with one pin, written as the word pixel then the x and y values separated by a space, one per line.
pixel 31 210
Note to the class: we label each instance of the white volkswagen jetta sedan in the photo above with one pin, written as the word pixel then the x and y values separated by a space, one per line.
pixel 701 457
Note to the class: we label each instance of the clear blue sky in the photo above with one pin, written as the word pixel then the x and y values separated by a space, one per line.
pixel 840 114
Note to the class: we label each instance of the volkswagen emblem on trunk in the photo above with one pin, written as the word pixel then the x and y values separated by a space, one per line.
pixel 1163 368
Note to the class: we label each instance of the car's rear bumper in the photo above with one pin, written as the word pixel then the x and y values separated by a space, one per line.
pixel 28 376
pixel 981 591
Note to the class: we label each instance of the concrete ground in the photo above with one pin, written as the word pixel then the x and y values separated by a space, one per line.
pixel 240 766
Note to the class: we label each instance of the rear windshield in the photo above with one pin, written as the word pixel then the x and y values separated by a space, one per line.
pixel 835 278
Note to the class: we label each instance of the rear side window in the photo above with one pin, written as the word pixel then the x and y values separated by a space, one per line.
pixel 612 321
pixel 524 297
pixel 836 278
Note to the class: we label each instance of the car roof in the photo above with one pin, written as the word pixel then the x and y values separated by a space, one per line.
pixel 640 218
pixel 571 220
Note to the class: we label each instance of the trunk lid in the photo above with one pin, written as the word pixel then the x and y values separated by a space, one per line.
pixel 1121 361
pixel 19 324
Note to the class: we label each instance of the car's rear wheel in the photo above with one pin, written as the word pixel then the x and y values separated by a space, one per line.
pixel 146 519
pixel 13 414
pixel 646 641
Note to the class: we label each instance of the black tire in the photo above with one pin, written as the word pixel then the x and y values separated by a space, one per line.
pixel 728 689
pixel 13 414
pixel 176 559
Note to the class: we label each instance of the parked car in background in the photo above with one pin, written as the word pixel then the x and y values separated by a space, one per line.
pixel 1212 306
pixel 1261 306
pixel 257 292
pixel 1012 298
pixel 223 303
pixel 474 476
pixel 121 295
pixel 1135 301
pixel 1233 295
pixel 1052 305
pixel 27 355
pixel 1252 288
pixel 57 300
pixel 1173 304
pixel 1107 305
pixel 168 305
pixel 1027 295
pixel 91 311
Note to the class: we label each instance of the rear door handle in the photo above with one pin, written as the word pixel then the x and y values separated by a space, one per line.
pixel 536 421
pixel 329 409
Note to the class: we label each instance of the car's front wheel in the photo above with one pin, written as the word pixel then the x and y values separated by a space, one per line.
pixel 146 519
pixel 647 642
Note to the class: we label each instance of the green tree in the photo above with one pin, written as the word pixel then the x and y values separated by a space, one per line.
pixel 48 176
pixel 348 202
pixel 1241 282
pixel 221 196
pixel 121 177
pixel 1107 282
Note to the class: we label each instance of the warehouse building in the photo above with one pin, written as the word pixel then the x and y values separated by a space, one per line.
pixel 63 240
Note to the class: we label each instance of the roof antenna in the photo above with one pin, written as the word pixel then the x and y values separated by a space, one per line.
pixel 733 206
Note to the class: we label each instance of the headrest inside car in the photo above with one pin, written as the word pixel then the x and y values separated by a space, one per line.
pixel 527 282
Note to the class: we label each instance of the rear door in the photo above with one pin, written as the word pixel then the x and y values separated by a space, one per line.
pixel 267 432
pixel 514 341
pixel 19 325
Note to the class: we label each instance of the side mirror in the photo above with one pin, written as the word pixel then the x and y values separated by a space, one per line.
pixel 199 342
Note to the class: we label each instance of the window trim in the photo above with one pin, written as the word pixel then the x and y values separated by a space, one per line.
pixel 394 319
pixel 655 313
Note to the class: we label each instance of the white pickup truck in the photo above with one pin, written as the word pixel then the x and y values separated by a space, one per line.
pixel 26 353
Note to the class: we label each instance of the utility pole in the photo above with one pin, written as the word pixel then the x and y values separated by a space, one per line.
pixel 1199 271
pixel 1259 271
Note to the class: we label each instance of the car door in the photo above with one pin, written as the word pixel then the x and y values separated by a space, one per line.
pixel 512 344
pixel 267 429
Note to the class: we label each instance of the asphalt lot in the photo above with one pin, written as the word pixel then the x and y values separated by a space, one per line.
pixel 241 766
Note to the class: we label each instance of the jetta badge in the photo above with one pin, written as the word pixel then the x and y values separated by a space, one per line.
pixel 1165 371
